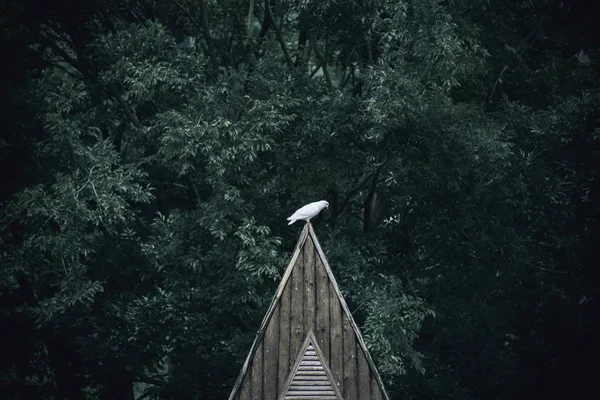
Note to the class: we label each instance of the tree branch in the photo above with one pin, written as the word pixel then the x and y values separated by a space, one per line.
pixel 78 65
pixel 370 203
pixel 350 75
pixel 369 49
pixel 250 15
pixel 88 73
pixel 321 59
pixel 352 192
pixel 128 112
pixel 203 28
pixel 302 38
pixel 554 271
pixel 279 36
pixel 266 23
pixel 209 40
pixel 189 15
pixel 315 70
pixel 498 78
pixel 360 186
pixel 436 247
pixel 153 381
pixel 526 44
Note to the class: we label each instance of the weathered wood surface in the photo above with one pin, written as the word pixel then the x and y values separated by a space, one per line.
pixel 336 339
pixel 297 311
pixel 349 361
pixel 376 393
pixel 364 376
pixel 284 339
pixel 308 305
pixel 308 302
pixel 245 392
pixel 323 327
pixel 271 357
pixel 257 374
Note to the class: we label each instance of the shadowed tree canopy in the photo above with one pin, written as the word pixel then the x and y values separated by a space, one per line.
pixel 152 151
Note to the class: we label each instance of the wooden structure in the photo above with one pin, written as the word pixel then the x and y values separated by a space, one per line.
pixel 308 346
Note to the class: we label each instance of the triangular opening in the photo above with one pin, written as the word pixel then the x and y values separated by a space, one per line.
pixel 311 379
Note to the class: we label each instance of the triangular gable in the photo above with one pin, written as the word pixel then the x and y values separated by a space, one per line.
pixel 308 300
pixel 311 377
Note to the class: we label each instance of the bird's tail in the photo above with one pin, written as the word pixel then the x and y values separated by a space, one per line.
pixel 292 221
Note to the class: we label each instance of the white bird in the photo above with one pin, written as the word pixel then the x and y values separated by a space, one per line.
pixel 308 211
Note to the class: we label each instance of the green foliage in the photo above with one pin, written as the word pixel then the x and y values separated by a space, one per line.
pixel 393 322
pixel 165 144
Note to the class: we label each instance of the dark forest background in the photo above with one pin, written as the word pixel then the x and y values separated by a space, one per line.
pixel 151 151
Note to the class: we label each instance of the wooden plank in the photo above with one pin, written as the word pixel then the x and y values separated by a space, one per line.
pixel 295 256
pixel 271 357
pixel 305 368
pixel 284 337
pixel 376 393
pixel 350 377
pixel 309 389
pixel 334 287
pixel 364 376
pixel 316 377
pixel 318 396
pixel 312 398
pixel 257 374
pixel 246 389
pixel 309 286
pixel 336 339
pixel 315 393
pixel 297 383
pixel 297 309
pixel 322 331
pixel 317 373
pixel 306 362
pixel 268 315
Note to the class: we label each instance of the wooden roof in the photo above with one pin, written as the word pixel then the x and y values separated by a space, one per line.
pixel 308 345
